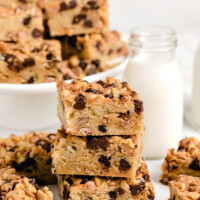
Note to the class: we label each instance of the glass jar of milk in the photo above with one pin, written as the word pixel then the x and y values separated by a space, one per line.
pixel 154 73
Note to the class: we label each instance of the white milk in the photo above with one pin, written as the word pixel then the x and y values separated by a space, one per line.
pixel 154 73
pixel 195 106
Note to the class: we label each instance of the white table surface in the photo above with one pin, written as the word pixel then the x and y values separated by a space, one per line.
pixel 188 42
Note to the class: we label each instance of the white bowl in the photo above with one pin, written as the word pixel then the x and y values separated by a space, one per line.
pixel 33 107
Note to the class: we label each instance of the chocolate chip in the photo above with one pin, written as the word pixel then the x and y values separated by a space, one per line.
pixel 9 58
pixel 66 192
pixel 195 165
pixel 50 56
pixel 102 128
pixel 93 5
pixel 112 195
pixel 102 83
pixel 124 84
pixel 88 23
pixel 63 6
pixel 83 64
pixel 133 93
pixel 36 50
pixel 138 106
pixel 30 80
pixel 146 177
pixel 14 185
pixel 110 85
pixel 36 33
pixel 98 142
pixel 98 45
pixel 124 116
pixel 118 191
pixel 109 96
pixel 23 1
pixel 120 96
pixel 92 71
pixel 67 77
pixel 124 165
pixel 72 4
pixel 96 62
pixel 104 160
pixel 29 162
pixel 151 197
pixel 182 149
pixel 79 102
pixel 27 20
pixel 93 91
pixel 136 189
pixel 46 145
pixel 28 62
pixel 78 18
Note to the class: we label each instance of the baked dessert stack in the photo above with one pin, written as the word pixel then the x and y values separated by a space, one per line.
pixel 71 38
pixel 98 151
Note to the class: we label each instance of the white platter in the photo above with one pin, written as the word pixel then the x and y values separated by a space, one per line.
pixel 32 107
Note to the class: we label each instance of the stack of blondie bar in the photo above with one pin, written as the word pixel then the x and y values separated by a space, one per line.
pixel 50 40
pixel 98 151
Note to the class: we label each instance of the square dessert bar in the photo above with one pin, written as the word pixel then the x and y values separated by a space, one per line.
pixel 105 188
pixel 20 22
pixel 99 108
pixel 115 156
pixel 30 155
pixel 186 160
pixel 74 17
pixel 17 187
pixel 105 46
pixel 30 62
pixel 185 188
pixel 74 68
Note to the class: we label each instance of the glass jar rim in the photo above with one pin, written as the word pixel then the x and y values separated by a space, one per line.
pixel 153 38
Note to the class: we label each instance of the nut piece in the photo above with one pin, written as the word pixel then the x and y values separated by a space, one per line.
pixel 89 187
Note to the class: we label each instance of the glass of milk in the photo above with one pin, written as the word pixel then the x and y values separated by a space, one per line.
pixel 154 73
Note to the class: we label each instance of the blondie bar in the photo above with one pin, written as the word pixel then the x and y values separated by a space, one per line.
pixel 115 156
pixel 100 108
pixel 186 160
pixel 30 62
pixel 30 155
pixel 20 22
pixel 74 68
pixel 18 187
pixel 185 188
pixel 74 17
pixel 98 188
pixel 105 46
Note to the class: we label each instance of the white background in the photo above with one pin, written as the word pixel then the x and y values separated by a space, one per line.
pixel 180 15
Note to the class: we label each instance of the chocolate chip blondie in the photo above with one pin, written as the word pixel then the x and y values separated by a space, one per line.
pixel 100 108
pixel 115 156
pixel 20 22
pixel 30 155
pixel 18 187
pixel 185 188
pixel 186 160
pixel 30 62
pixel 74 68
pixel 98 188
pixel 105 46
pixel 74 17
